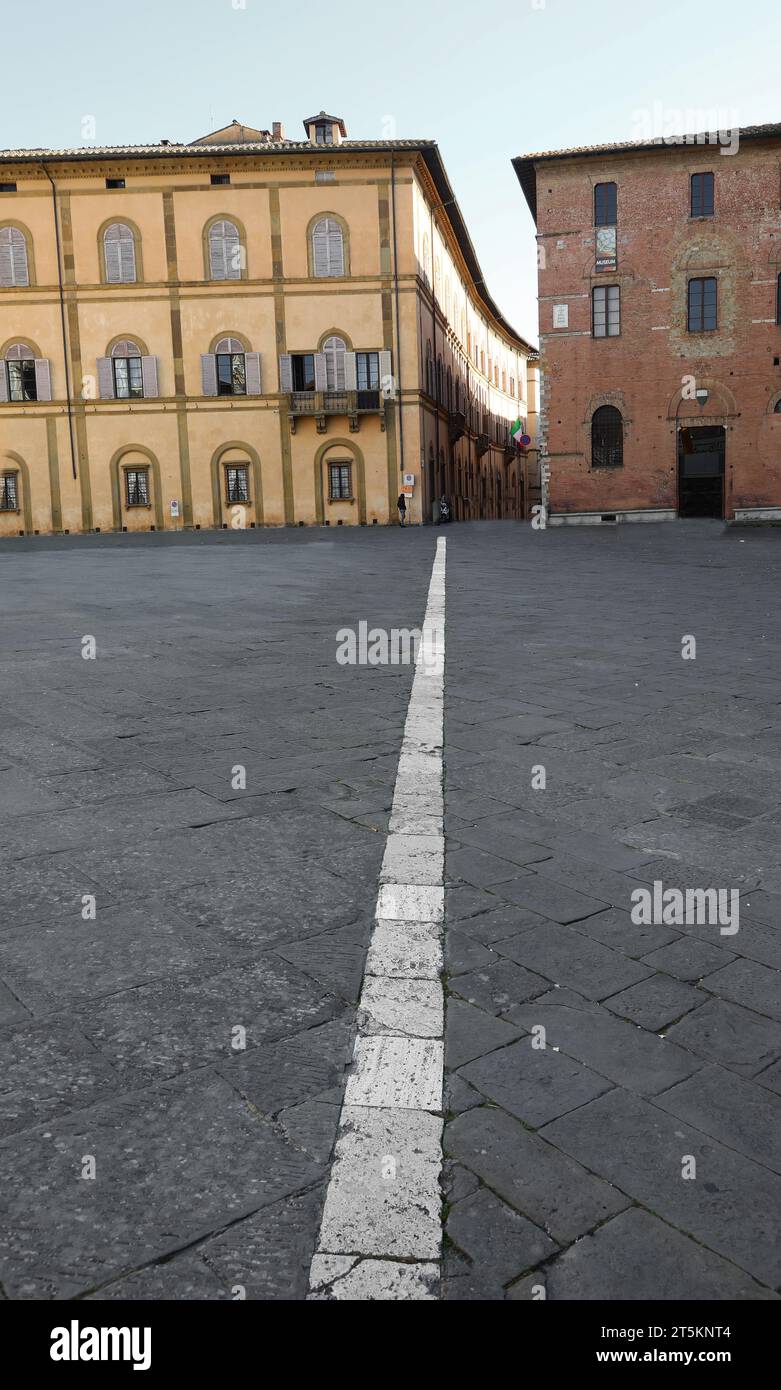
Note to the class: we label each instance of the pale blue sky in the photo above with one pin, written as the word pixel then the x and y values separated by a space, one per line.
pixel 487 79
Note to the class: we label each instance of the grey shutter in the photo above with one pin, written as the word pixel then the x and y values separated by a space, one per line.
pixel 43 379
pixel 209 374
pixel 127 259
pixel 350 372
pixel 320 248
pixel 217 260
pixel 3 381
pixel 321 372
pixel 113 261
pixel 105 379
pixel 335 249
pixel 252 368
pixel 149 375
pixel 13 258
pixel 285 373
pixel 6 258
pixel 387 383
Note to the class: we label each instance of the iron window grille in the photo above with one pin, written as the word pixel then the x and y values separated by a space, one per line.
pixel 702 314
pixel 605 204
pixel 231 374
pixel 607 438
pixel 237 483
pixel 8 493
pixel 220 179
pixel 137 487
pixel 606 311
pixel 339 481
pixel 21 380
pixel 128 378
pixel 115 183
pixel 702 195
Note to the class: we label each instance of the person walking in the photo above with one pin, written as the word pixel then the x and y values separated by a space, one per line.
pixel 402 506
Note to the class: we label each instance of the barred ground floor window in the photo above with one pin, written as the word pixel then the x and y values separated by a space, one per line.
pixel 8 493
pixel 340 487
pixel 237 482
pixel 137 487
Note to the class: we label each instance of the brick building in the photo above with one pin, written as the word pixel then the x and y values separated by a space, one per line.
pixel 660 326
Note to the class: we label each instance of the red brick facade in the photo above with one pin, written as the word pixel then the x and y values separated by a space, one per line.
pixel 650 370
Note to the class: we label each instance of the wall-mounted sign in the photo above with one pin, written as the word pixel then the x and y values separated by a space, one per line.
pixel 561 316
pixel 174 507
pixel 409 479
pixel 607 254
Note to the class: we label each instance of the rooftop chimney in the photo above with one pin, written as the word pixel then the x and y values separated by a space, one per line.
pixel 277 131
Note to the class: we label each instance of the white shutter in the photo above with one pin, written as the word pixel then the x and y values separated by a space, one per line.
pixel 149 373
pixel 252 368
pixel 43 379
pixel 3 381
pixel 285 373
pixel 209 374
pixel 321 374
pixel 387 383
pixel 320 248
pixel 335 248
pixel 105 379
pixel 120 250
pixel 224 251
pixel 350 372
pixel 13 258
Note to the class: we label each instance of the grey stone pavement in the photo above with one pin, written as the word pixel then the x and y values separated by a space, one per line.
pixel 221 909
pixel 565 1164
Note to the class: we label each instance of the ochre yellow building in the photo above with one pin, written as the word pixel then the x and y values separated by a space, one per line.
pixel 249 330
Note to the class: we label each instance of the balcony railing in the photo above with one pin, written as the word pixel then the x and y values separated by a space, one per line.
pixel 335 402
pixel 320 404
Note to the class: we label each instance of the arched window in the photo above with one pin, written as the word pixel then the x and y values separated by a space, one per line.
pixel 429 369
pixel 440 381
pixel 231 367
pixel 426 259
pixel 327 248
pixel 128 371
pixel 14 269
pixel 119 248
pixel 225 252
pixel 333 351
pixel 778 300
pixel 607 438
pixel 449 389
pixel 19 371
pixel 777 407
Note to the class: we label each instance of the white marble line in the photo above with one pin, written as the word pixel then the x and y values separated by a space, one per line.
pixel 383 1201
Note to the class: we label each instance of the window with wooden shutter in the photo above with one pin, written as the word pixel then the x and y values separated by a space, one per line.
pixel 20 374
pixel 14 269
pixel 327 248
pixel 120 252
pixel 285 373
pixel 150 377
pixel 334 350
pixel 105 378
pixel 225 251
pixel 209 374
pixel 127 371
pixel 231 361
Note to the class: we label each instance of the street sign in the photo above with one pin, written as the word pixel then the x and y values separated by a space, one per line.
pixel 174 507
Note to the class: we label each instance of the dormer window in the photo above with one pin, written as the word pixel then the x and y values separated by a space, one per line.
pixel 323 129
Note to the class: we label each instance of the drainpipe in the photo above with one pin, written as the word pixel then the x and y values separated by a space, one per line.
pixel 398 316
pixel 68 394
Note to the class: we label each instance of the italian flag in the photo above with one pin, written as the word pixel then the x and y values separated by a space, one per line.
pixel 516 430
